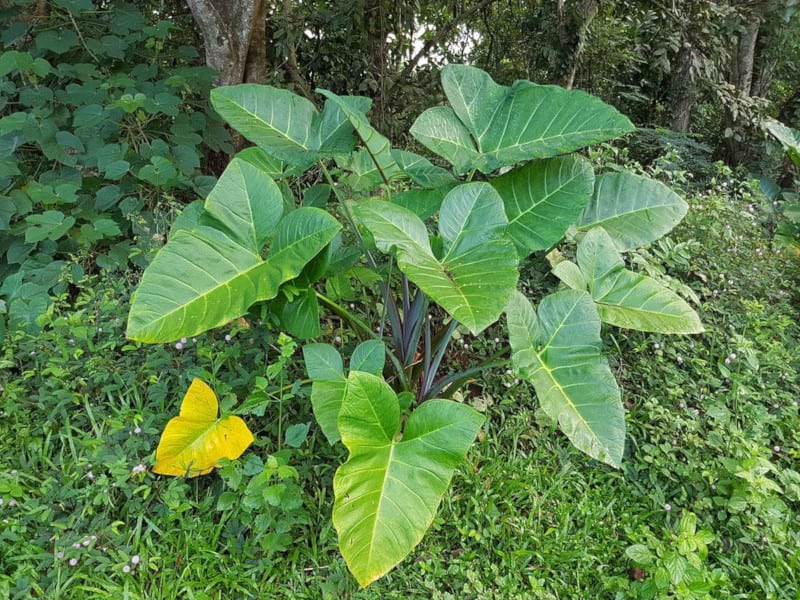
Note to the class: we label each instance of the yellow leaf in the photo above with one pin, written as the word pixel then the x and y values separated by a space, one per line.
pixel 194 442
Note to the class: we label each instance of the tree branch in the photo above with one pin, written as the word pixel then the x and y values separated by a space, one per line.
pixel 438 38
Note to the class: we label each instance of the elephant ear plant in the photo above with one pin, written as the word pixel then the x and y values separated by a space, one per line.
pixel 445 246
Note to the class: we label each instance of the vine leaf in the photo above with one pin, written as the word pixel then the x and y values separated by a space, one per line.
pixel 388 491
pixel 194 442
pixel 559 351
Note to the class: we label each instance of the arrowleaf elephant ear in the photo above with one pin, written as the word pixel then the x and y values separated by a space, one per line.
pixel 488 126
pixel 196 440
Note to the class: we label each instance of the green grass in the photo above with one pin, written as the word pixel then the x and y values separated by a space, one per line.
pixel 527 516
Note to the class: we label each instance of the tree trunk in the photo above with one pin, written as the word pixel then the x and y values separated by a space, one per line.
pixel 682 91
pixel 574 23
pixel 740 76
pixel 743 58
pixel 234 38
pixel 374 24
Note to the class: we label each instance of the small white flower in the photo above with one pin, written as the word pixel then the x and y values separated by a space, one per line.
pixel 137 430
pixel 135 559
pixel 667 507
pixel 140 468
pixel 776 449
pixel 73 562
pixel 126 569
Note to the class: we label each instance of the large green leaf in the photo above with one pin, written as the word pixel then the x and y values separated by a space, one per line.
pixel 285 125
pixel 422 171
pixel 628 299
pixel 543 198
pixel 378 147
pixel 634 210
pixel 235 204
pixel 326 371
pixel 559 351
pixel 439 130
pixel 329 383
pixel 388 491
pixel 478 270
pixel 298 316
pixel 788 137
pixel 206 276
pixel 491 125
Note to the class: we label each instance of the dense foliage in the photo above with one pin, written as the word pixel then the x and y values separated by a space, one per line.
pixel 104 123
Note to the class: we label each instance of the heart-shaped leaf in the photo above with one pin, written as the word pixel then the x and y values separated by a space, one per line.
pixel 378 147
pixel 478 270
pixel 633 210
pixel 284 124
pixel 559 352
pixel 326 370
pixel 194 442
pixel 212 274
pixel 388 491
pixel 543 198
pixel 628 299
pixel 491 125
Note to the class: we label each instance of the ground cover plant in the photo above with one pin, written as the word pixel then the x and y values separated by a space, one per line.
pixel 404 434
pixel 101 134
